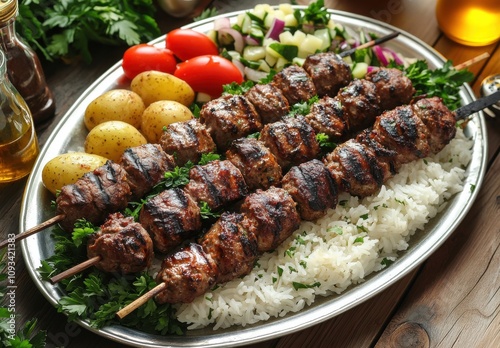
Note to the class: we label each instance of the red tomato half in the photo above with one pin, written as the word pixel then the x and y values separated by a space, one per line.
pixel 144 57
pixel 188 43
pixel 207 74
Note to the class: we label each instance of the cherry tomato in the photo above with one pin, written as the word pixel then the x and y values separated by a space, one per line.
pixel 188 43
pixel 144 57
pixel 207 74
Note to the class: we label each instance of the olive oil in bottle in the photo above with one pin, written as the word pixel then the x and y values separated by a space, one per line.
pixel 18 140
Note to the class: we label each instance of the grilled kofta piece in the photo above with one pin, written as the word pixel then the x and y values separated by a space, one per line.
pixel 232 245
pixel 329 73
pixel 187 274
pixel 123 245
pixel 356 168
pixel 171 217
pixel 361 103
pixel 439 120
pixel 295 84
pixel 312 187
pixel 187 141
pixel 401 130
pixel 272 216
pixel 393 87
pixel 217 183
pixel 257 164
pixel 228 118
pixel 328 116
pixel 145 166
pixel 291 141
pixel 98 193
pixel 269 102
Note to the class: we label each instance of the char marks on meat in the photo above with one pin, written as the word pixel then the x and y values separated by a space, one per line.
pixel 356 168
pixel 97 193
pixel 217 183
pixel 361 102
pixel 187 141
pixel 269 102
pixel 439 120
pixel 295 84
pixel 232 245
pixel 393 87
pixel 402 130
pixel 145 166
pixel 123 245
pixel 312 187
pixel 257 164
pixel 272 216
pixel 328 71
pixel 327 116
pixel 228 118
pixel 291 140
pixel 187 274
pixel 171 217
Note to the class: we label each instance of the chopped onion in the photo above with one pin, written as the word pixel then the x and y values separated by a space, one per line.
pixel 221 23
pixel 379 53
pixel 239 41
pixel 395 56
pixel 276 29
pixel 251 41
pixel 240 66
pixel 370 68
pixel 254 75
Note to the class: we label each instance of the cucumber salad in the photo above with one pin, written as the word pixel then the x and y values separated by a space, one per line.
pixel 268 38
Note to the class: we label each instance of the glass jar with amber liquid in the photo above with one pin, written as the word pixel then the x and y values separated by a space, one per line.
pixel 23 66
pixel 470 22
pixel 18 140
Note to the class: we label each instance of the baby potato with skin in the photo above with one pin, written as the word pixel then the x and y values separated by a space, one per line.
pixel 153 86
pixel 67 168
pixel 115 105
pixel 110 139
pixel 159 115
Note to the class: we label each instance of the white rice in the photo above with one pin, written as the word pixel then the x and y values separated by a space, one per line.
pixel 340 249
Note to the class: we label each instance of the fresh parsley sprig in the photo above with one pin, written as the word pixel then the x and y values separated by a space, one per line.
pixel 65 29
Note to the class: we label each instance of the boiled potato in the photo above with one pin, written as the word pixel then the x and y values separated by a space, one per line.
pixel 160 114
pixel 110 139
pixel 117 104
pixel 67 168
pixel 156 85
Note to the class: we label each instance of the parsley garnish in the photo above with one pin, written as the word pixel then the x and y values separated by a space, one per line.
pixel 65 29
pixel 324 142
pixel 315 14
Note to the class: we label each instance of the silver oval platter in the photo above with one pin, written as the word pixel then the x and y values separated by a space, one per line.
pixel 70 133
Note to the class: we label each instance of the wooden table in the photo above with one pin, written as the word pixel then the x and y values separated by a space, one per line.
pixel 452 299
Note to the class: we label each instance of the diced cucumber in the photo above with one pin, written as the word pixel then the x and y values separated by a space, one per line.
pixel 281 63
pixel 298 61
pixel 246 24
pixel 286 8
pixel 256 33
pixel 213 35
pixel 254 52
pixel 270 59
pixel 359 70
pixel 310 45
pixel 264 66
pixel 325 36
pixel 286 51
pixel 290 20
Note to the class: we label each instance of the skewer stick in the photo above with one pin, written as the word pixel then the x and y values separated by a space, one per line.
pixel 370 44
pixel 472 61
pixel 33 230
pixel 75 269
pixel 122 313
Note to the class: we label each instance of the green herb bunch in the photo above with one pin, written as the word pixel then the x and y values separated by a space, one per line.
pixel 65 28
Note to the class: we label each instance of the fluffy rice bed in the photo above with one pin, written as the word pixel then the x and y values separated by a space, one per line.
pixel 339 250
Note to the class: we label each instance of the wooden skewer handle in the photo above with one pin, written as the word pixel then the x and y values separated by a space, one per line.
pixel 75 269
pixel 369 44
pixel 122 313
pixel 472 61
pixel 36 229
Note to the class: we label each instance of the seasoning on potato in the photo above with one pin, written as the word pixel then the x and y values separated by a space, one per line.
pixel 156 85
pixel 115 105
pixel 160 114
pixel 110 139
pixel 67 168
